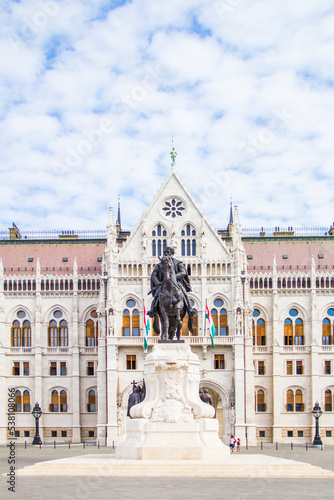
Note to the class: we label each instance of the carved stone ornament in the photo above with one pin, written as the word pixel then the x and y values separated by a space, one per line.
pixel 172 378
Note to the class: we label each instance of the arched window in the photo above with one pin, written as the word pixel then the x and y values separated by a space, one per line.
pixel 293 329
pixel 188 242
pixel 299 332
pixel 294 400
pixel 328 400
pixel 26 334
pixel 290 400
pixel 259 329
pixel 159 243
pixel 63 333
pixel 288 332
pixel 135 323
pixel 58 331
pixel 21 331
pixel 91 406
pixel 18 401
pixel 299 400
pixel 260 404
pixel 327 338
pixel 92 330
pixel 193 247
pixel 219 317
pixel 131 320
pixel 54 406
pixel 63 401
pixel 26 401
pixel 16 334
pixel 53 333
pixel 126 323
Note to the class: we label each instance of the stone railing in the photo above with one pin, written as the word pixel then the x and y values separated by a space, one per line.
pixel 224 340
pixel 296 348
pixel 20 350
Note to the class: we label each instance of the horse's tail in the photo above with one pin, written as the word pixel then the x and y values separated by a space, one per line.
pixel 156 324
pixel 190 324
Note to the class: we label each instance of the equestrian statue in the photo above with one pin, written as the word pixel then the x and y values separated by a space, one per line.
pixel 169 287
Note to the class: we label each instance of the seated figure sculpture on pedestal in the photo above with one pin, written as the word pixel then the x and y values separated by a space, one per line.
pixel 169 287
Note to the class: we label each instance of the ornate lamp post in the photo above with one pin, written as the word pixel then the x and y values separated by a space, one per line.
pixel 37 413
pixel 316 412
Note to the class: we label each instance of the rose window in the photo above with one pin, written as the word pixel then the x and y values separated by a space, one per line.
pixel 173 208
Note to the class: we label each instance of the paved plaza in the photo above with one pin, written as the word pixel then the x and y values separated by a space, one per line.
pixel 164 488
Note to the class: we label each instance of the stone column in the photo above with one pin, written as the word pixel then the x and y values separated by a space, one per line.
pixel 239 380
pixel 102 383
pixel 3 384
pixel 112 390
pixel 76 428
pixel 277 369
pixel 249 391
pixel 38 350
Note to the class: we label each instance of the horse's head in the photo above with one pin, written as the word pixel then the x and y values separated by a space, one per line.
pixel 166 263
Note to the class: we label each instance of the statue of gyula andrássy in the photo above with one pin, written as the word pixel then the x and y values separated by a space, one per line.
pixel 170 286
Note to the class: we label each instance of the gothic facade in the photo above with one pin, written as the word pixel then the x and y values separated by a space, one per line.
pixel 71 324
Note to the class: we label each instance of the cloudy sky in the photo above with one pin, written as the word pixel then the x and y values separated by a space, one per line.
pixel 92 93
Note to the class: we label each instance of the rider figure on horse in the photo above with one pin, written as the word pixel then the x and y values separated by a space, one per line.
pixel 181 278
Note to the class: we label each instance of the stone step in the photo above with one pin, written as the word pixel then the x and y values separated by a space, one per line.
pixel 94 466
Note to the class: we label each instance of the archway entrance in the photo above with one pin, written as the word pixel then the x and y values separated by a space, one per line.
pixel 222 407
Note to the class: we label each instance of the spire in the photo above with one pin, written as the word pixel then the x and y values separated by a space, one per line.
pixel 231 212
pixel 111 217
pixel 230 223
pixel 236 232
pixel 118 221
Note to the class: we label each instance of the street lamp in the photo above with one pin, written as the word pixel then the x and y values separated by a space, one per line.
pixel 316 412
pixel 37 413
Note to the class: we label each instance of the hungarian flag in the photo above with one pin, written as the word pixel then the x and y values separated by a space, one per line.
pixel 146 328
pixel 211 325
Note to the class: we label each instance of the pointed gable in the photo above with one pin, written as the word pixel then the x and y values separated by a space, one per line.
pixel 174 219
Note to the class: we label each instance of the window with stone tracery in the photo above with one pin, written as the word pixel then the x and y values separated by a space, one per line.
pixel 188 241
pixel 131 320
pixel 328 400
pixel 92 329
pixel 219 317
pixel 328 328
pixel 259 328
pixel 294 400
pixel 293 329
pixel 91 405
pixel 260 405
pixel 21 331
pixel 159 240
pixel 58 401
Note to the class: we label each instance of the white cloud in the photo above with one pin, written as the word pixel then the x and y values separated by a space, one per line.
pixel 246 92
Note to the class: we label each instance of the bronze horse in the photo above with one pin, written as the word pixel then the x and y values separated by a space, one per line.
pixel 171 305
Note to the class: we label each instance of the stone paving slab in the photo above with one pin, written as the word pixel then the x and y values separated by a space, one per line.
pixel 171 488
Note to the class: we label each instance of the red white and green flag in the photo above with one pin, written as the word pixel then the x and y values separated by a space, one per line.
pixel 146 327
pixel 212 327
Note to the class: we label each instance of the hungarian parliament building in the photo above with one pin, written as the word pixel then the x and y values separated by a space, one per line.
pixel 72 325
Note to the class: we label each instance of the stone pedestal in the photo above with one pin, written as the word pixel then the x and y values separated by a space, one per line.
pixel 172 423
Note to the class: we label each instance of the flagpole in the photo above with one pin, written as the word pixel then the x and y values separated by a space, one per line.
pixel 145 327
pixel 206 304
